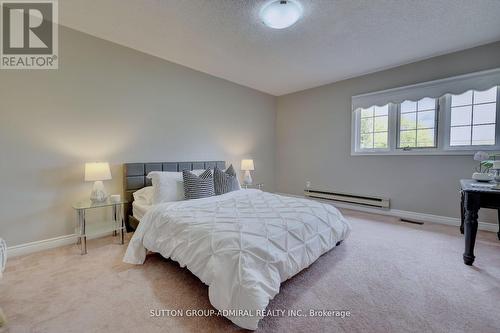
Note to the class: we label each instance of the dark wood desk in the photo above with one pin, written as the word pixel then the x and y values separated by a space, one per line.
pixel 472 199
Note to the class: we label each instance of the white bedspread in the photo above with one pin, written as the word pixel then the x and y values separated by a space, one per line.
pixel 241 244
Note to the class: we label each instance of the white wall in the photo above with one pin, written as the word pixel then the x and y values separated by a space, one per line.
pixel 314 137
pixel 110 103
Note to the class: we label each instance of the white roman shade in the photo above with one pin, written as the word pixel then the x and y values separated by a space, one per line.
pixel 454 85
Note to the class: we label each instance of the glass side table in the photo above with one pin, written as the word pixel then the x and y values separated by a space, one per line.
pixel 258 186
pixel 115 226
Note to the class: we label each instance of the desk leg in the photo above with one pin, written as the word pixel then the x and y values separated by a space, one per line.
pixel 82 238
pixel 115 220
pixel 122 230
pixel 498 233
pixel 462 197
pixel 471 204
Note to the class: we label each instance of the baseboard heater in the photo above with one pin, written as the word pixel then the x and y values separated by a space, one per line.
pixel 349 198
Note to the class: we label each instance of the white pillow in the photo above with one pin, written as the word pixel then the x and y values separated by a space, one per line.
pixel 167 186
pixel 144 195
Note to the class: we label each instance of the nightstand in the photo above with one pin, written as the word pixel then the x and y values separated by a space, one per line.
pixel 115 226
pixel 258 186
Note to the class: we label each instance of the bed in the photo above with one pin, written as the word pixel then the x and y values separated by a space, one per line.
pixel 139 209
pixel 242 244
pixel 135 178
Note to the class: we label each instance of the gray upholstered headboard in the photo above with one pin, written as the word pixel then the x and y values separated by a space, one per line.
pixel 134 176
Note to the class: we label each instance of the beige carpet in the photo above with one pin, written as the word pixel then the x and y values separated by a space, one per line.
pixel 392 277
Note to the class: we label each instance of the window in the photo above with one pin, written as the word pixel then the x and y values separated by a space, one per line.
pixel 456 115
pixel 473 118
pixel 417 124
pixel 374 127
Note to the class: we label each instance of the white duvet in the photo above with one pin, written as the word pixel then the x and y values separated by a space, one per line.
pixel 242 244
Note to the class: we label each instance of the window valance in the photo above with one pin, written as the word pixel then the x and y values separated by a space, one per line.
pixel 454 85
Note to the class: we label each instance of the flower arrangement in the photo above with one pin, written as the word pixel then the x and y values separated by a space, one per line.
pixel 485 161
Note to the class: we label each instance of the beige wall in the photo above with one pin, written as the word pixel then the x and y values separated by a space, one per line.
pixel 111 103
pixel 314 138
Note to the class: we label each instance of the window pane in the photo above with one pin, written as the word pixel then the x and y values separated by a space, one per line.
pixel 425 138
pixel 381 124
pixel 381 140
pixel 460 136
pixel 427 104
pixel 382 110
pixel 407 138
pixel 366 125
pixel 408 121
pixel 461 115
pixel 483 135
pixel 426 119
pixel 464 99
pixel 367 112
pixel 485 96
pixel 408 106
pixel 366 141
pixel 485 113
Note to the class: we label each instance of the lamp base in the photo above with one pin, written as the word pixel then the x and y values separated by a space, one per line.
pixel 247 178
pixel 98 192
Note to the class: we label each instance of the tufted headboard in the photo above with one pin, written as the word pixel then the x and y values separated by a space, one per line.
pixel 134 178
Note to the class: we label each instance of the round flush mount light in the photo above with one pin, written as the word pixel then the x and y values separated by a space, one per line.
pixel 280 14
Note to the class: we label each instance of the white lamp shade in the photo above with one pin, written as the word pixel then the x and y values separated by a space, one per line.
pixel 97 171
pixel 247 165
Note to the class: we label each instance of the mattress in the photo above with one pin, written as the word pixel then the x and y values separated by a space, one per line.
pixel 139 209
pixel 242 244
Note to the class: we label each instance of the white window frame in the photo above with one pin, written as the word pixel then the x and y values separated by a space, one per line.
pixel 357 133
pixel 443 121
pixel 447 124
pixel 436 127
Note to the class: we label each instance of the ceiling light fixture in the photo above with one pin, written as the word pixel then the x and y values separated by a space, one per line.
pixel 280 14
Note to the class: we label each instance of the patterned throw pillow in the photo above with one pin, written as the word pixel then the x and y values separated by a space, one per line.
pixel 197 187
pixel 225 182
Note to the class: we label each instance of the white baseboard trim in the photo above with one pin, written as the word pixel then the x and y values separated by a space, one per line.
pixel 414 216
pixel 46 244
pixel 27 248
pixel 51 243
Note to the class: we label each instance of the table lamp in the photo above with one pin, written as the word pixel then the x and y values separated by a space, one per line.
pixel 247 166
pixel 97 172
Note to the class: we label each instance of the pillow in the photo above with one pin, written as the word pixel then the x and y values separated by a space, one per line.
pixel 144 195
pixel 200 171
pixel 197 187
pixel 167 186
pixel 235 176
pixel 225 182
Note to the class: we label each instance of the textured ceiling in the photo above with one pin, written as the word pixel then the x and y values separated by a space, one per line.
pixel 336 39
